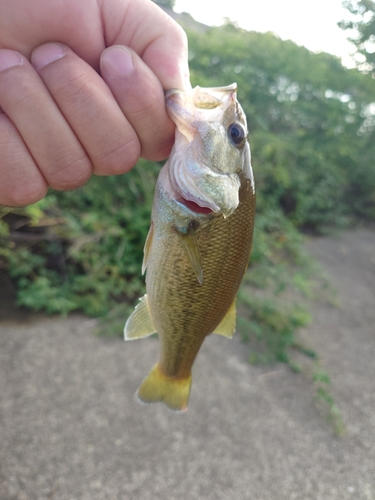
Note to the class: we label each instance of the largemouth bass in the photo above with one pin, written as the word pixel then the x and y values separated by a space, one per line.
pixel 199 242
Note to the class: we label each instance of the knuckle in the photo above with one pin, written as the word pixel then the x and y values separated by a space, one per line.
pixel 157 134
pixel 22 194
pixel 69 172
pixel 119 157
pixel 159 152
pixel 148 113
pixel 74 89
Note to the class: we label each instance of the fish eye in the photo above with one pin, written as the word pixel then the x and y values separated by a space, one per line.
pixel 236 134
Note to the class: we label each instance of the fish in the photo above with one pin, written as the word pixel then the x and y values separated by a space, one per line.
pixel 199 242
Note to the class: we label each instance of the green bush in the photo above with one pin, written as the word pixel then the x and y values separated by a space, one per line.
pixel 83 249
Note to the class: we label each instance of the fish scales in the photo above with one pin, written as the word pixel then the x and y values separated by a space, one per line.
pixel 198 248
pixel 187 309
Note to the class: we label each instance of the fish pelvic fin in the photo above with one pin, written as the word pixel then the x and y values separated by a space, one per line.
pixel 139 323
pixel 190 245
pixel 227 325
pixel 159 387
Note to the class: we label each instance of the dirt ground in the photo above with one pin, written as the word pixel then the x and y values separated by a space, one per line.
pixel 70 428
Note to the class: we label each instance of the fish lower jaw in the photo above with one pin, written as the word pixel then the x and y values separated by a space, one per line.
pixel 193 206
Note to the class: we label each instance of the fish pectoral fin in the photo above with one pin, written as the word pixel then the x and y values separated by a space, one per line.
pixel 147 247
pixel 228 323
pixel 159 387
pixel 190 245
pixel 139 323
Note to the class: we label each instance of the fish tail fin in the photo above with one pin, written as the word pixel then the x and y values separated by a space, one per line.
pixel 173 392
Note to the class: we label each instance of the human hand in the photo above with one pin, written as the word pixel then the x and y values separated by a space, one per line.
pixel 61 121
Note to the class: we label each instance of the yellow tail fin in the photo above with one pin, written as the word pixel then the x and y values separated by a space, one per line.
pixel 173 392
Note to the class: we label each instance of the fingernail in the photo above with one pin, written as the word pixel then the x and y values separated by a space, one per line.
pixel 46 54
pixel 117 61
pixel 9 59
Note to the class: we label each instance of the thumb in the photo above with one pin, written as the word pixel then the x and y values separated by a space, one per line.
pixel 153 35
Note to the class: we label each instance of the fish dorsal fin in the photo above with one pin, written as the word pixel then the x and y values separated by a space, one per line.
pixel 228 323
pixel 147 247
pixel 139 323
pixel 190 245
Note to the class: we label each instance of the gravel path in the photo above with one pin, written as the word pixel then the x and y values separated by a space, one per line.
pixel 70 428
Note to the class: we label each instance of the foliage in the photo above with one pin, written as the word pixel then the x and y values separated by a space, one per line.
pixel 278 264
pixel 325 401
pixel 165 3
pixel 81 250
pixel 361 25
pixel 311 123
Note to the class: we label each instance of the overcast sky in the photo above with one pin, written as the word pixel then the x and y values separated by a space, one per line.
pixel 312 23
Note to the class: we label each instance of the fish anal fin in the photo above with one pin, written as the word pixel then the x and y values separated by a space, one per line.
pixel 159 387
pixel 189 243
pixel 147 247
pixel 227 325
pixel 139 323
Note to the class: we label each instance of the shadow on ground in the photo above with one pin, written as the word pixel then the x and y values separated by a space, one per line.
pixel 71 429
pixel 8 307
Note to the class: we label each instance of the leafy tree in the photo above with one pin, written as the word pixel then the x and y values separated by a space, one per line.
pixel 165 3
pixel 311 123
pixel 362 25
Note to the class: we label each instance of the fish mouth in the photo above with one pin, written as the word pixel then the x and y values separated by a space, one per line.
pixel 193 192
pixel 193 206
pixel 185 185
